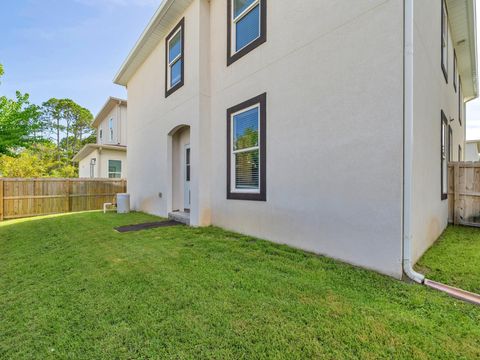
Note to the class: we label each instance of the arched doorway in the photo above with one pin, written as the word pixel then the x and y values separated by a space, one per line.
pixel 181 169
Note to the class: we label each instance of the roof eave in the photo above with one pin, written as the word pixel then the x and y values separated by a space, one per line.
pixel 462 17
pixel 120 78
pixel 473 46
pixel 89 148
pixel 101 114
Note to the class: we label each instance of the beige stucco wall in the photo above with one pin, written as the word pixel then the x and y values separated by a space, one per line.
pixel 119 116
pixel 101 167
pixel 84 166
pixel 333 76
pixel 431 95
pixel 153 118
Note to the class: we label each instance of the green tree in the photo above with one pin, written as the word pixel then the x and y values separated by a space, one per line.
pixel 20 123
pixel 80 120
pixel 37 161
pixel 64 116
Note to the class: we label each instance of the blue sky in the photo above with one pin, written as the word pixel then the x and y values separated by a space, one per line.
pixel 73 48
pixel 68 48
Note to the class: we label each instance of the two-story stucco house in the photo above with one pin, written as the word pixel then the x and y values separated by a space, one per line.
pixel 322 124
pixel 107 158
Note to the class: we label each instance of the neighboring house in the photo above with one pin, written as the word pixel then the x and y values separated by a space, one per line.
pixel 472 150
pixel 285 120
pixel 108 157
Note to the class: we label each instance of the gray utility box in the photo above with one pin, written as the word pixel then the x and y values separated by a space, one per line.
pixel 123 203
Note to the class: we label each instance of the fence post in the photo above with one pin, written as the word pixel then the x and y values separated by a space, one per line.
pixel 1 200
pixel 124 186
pixel 456 196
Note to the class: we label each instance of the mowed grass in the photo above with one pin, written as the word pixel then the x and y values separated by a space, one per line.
pixel 455 258
pixel 72 288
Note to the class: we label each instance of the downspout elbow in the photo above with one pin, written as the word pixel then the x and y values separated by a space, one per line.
pixel 411 273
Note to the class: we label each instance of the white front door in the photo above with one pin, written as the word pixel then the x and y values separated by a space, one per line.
pixel 186 194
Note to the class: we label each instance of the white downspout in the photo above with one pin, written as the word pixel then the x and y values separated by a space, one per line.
pixel 408 144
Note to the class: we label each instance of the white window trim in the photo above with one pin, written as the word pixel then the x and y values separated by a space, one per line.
pixel 171 63
pixel 111 134
pixel 234 20
pixel 445 35
pixel 114 172
pixel 233 152
pixel 455 71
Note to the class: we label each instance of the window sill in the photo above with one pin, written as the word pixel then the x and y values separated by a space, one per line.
pixel 246 196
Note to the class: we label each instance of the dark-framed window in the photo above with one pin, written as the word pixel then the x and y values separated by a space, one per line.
pixel 114 169
pixel 444 155
pixel 460 101
pixel 444 41
pixel 247 150
pixel 455 71
pixel 450 143
pixel 246 27
pixel 175 59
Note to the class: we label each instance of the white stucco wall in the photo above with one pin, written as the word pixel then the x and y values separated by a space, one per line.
pixel 119 116
pixel 84 166
pixel 101 167
pixel 152 117
pixel 333 76
pixel 431 95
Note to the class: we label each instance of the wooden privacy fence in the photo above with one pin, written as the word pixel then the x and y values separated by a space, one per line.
pixel 464 193
pixel 33 197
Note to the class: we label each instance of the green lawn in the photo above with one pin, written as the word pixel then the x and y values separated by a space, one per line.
pixel 72 288
pixel 455 258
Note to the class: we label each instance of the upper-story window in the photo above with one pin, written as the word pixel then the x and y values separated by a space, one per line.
pixel 100 135
pixel 460 102
pixel 455 71
pixel 444 155
pixel 110 129
pixel 246 150
pixel 444 41
pixel 174 72
pixel 247 27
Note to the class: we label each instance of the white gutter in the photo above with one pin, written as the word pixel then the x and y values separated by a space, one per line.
pixel 408 144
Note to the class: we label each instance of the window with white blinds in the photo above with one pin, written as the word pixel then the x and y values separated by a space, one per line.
pixel 246 27
pixel 246 146
pixel 246 149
